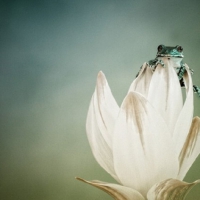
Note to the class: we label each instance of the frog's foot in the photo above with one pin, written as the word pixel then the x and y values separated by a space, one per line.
pixel 196 89
pixel 160 62
pixel 191 71
pixel 153 64
pixel 157 63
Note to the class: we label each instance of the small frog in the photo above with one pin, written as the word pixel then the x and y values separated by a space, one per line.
pixel 176 55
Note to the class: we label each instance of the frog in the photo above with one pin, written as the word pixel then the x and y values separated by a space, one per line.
pixel 175 54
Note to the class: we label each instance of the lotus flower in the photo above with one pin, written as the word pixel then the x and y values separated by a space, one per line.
pixel 149 143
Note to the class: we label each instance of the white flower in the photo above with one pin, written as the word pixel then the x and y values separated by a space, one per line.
pixel 151 141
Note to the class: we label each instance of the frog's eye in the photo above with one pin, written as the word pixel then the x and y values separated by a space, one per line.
pixel 179 48
pixel 160 48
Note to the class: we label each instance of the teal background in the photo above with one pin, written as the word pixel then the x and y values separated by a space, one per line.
pixel 50 54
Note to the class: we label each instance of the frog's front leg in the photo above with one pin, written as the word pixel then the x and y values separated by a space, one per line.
pixel 182 70
pixel 153 63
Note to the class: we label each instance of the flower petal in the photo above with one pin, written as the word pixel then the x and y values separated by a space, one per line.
pixel 191 148
pixel 106 108
pixel 185 118
pixel 118 192
pixel 142 147
pixel 165 93
pixel 170 189
pixel 141 83
pixel 98 125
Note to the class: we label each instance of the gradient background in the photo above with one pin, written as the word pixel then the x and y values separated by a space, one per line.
pixel 51 52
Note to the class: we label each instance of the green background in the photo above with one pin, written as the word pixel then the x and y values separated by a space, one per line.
pixel 51 52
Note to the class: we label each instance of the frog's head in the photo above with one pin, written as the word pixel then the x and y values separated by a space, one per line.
pixel 164 51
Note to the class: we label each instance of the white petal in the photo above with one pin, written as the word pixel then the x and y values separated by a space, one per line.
pixel 170 189
pixel 99 146
pixel 118 192
pixel 185 118
pixel 191 148
pixel 142 148
pixel 165 93
pixel 106 108
pixel 100 121
pixel 141 83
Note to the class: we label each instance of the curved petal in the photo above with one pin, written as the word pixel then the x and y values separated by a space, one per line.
pixel 185 118
pixel 118 192
pixel 141 83
pixel 170 189
pixel 165 93
pixel 142 149
pixel 99 146
pixel 100 121
pixel 106 108
pixel 191 148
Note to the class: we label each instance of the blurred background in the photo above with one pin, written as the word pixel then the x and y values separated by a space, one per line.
pixel 50 54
